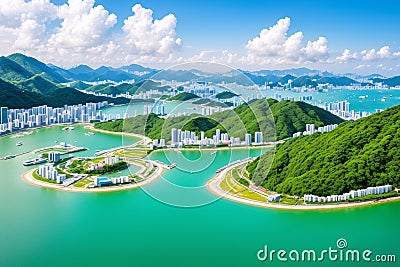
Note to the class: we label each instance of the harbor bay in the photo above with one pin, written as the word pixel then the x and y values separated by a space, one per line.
pixel 133 220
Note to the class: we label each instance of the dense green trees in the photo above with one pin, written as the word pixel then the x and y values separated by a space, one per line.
pixel 225 95
pixel 184 96
pixel 25 82
pixel 290 117
pixel 138 87
pixel 353 156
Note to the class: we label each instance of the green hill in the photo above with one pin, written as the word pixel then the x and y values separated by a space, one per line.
pixel 11 71
pixel 123 88
pixel 394 81
pixel 27 82
pixel 80 85
pixel 13 97
pixel 184 96
pixel 225 95
pixel 353 156
pixel 290 117
pixel 38 84
pixel 34 66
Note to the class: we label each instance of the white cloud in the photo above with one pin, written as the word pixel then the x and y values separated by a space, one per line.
pixel 144 35
pixel 274 46
pixel 24 24
pixel 15 12
pixel 361 66
pixel 82 32
pixel 347 56
pixel 84 25
pixel 383 53
pixel 381 66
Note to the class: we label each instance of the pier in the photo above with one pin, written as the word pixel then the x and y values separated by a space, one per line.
pixel 68 149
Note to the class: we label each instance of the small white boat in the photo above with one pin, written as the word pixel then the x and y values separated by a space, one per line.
pixel 19 144
pixel 213 153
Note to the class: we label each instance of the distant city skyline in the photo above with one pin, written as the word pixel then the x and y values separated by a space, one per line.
pixel 338 36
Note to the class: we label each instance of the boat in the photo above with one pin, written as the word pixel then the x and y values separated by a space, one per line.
pixel 68 128
pixel 383 99
pixel 87 134
pixel 90 133
pixel 34 161
pixel 213 153
pixel 19 144
pixel 173 165
pixel 9 157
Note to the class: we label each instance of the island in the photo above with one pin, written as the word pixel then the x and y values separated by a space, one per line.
pixel 350 166
pixel 89 174
pixel 303 133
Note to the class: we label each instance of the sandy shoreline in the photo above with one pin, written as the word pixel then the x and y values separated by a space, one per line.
pixel 28 177
pixel 213 186
pixel 91 127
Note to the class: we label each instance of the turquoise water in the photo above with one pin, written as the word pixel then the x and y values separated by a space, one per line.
pixel 369 104
pixel 45 227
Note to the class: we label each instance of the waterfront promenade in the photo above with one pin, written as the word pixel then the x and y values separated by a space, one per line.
pixel 213 186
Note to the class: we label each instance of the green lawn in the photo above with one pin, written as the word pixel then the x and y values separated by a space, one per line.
pixel 40 178
pixel 82 183
pixel 239 190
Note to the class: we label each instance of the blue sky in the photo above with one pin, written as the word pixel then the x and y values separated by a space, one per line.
pixel 221 31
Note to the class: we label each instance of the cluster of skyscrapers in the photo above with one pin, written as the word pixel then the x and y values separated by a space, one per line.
pixel 376 190
pixel 16 119
pixel 279 97
pixel 339 108
pixel 54 156
pixel 185 138
pixel 48 171
pixel 111 160
pixel 342 109
pixel 310 129
pixel 202 89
